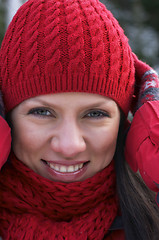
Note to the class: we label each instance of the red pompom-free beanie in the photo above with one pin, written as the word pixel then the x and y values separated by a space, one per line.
pixel 54 46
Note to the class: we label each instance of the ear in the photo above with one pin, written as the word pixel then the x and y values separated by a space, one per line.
pixel 142 142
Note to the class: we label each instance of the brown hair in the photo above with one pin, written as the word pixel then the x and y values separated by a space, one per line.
pixel 139 210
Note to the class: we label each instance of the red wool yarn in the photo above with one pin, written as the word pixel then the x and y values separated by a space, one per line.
pixel 54 46
pixel 33 207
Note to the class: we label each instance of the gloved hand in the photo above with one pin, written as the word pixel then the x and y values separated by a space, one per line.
pixel 5 136
pixel 142 142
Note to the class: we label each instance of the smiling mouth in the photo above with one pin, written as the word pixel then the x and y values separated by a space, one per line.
pixel 65 169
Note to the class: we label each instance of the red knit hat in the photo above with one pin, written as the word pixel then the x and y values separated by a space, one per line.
pixel 54 46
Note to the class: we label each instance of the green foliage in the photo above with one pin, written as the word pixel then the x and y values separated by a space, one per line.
pixel 152 9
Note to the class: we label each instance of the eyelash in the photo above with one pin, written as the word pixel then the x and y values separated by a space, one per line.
pixel 41 112
pixel 91 114
pixel 98 114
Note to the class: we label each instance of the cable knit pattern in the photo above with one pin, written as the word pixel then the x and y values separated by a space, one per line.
pixel 65 46
pixel 36 208
pixel 76 66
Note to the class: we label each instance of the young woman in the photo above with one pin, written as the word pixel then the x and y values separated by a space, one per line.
pixel 68 79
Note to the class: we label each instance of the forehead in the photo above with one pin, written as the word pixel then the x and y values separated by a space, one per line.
pixel 70 96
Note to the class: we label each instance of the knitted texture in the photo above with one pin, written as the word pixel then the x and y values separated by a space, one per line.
pixel 147 83
pixel 33 207
pixel 54 46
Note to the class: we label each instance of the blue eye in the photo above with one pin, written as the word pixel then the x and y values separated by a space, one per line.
pixel 40 112
pixel 97 114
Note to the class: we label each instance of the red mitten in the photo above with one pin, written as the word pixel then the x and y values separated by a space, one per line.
pixel 5 136
pixel 142 142
pixel 5 141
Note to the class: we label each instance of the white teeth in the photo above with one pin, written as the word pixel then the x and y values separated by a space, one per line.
pixel 81 165
pixel 56 167
pixel 76 167
pixel 71 169
pixel 65 169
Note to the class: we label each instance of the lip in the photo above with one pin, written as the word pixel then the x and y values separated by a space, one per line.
pixel 66 176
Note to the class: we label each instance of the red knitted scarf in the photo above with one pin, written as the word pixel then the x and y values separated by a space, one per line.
pixel 33 207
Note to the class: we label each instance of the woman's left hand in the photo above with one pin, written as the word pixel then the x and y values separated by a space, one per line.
pixel 142 142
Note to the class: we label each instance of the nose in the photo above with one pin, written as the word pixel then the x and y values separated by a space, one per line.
pixel 68 140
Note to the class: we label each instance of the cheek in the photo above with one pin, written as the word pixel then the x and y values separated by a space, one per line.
pixel 25 140
pixel 105 143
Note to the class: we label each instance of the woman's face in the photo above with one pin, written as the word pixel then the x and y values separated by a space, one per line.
pixel 65 137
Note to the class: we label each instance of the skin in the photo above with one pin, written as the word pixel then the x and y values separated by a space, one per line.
pixel 65 129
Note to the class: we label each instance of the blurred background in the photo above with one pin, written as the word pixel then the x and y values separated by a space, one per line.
pixel 138 18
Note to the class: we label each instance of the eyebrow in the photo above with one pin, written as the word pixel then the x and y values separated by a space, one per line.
pixel 52 104
pixel 99 103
